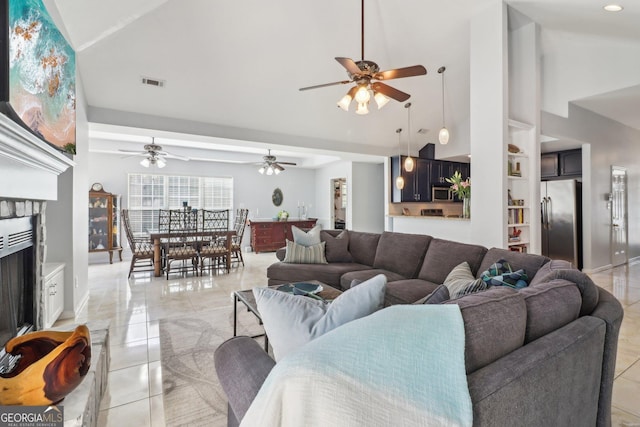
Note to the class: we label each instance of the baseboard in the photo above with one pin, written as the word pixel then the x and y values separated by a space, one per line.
pixel 634 259
pixel 68 314
pixel 597 269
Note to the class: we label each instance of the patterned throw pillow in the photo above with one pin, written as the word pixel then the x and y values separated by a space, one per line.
pixel 306 238
pixel 298 254
pixel 501 274
pixel 461 282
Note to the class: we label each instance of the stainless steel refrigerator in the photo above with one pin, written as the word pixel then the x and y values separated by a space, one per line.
pixel 561 206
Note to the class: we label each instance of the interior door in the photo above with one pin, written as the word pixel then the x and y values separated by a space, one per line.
pixel 619 253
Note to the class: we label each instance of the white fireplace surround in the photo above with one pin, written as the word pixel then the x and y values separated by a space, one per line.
pixel 29 165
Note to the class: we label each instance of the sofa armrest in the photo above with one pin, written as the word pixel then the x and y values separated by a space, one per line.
pixel 242 366
pixel 281 253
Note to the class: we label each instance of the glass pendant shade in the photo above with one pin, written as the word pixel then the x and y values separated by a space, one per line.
pixel 362 108
pixel 269 170
pixel 344 102
pixel 443 136
pixel 362 95
pixel 399 182
pixel 161 163
pixel 408 164
pixel 261 170
pixel 145 162
pixel 381 99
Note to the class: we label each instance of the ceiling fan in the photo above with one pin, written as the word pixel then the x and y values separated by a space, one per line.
pixel 270 165
pixel 154 155
pixel 368 78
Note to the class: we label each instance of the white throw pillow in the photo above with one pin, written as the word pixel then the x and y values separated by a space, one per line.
pixel 291 321
pixel 306 238
pixel 461 282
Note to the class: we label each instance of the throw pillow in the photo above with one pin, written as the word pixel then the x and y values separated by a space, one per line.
pixel 439 295
pixel 501 274
pixel 290 321
pixel 306 238
pixel 337 248
pixel 460 281
pixel 298 254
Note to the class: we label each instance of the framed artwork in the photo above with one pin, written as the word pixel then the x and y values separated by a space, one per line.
pixel 37 72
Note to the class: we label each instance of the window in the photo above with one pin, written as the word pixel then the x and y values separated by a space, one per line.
pixel 150 193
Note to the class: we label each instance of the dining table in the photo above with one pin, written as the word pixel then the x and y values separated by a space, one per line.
pixel 157 238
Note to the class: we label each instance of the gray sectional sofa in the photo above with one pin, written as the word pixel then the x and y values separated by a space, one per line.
pixel 541 355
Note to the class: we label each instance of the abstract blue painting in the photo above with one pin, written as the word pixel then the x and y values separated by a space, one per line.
pixel 42 73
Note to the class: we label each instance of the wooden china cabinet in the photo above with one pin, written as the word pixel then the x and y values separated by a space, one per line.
pixel 104 222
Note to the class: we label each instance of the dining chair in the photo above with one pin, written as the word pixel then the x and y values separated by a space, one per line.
pixel 181 245
pixel 141 247
pixel 240 222
pixel 213 248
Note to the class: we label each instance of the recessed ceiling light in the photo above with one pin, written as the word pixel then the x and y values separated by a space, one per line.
pixel 613 8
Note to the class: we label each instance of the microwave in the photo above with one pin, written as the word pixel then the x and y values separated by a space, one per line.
pixel 440 194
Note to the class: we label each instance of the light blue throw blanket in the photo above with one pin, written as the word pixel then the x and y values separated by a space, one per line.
pixel 401 366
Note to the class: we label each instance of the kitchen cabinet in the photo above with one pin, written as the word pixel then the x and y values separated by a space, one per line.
pixel 417 183
pixel 53 292
pixel 104 223
pixel 570 163
pixel 549 165
pixel 269 236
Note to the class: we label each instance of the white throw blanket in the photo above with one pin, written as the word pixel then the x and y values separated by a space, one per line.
pixel 401 366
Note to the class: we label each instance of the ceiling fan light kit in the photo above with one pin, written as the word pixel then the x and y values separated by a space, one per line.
pixel 271 166
pixel 154 155
pixel 443 135
pixel 367 78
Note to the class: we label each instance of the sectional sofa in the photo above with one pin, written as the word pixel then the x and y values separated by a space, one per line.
pixel 541 355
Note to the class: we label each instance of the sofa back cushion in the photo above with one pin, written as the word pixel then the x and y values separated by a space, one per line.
pixel 550 306
pixel 530 263
pixel 401 253
pixel 362 246
pixel 444 255
pixel 495 323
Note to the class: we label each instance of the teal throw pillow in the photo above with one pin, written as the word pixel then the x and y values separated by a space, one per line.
pixel 502 274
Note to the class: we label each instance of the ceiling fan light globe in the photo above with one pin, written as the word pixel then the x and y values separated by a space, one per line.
pixel 145 162
pixel 161 163
pixel 362 95
pixel 345 102
pixel 276 171
pixel 399 182
pixel 269 170
pixel 362 108
pixel 443 136
pixel 261 170
pixel 408 164
pixel 381 99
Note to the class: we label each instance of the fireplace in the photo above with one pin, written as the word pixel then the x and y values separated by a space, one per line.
pixel 18 280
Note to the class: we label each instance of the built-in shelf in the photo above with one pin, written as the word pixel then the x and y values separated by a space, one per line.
pixel 521 242
pixel 518 225
pixel 518 207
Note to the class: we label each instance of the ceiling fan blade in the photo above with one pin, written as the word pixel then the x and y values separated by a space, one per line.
pixel 173 156
pixel 398 73
pixel 343 82
pixel 349 65
pixel 135 153
pixel 287 163
pixel 386 90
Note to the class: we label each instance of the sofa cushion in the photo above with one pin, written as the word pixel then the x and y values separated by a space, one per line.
pixel 530 263
pixel 460 281
pixel 550 306
pixel 440 295
pixel 401 253
pixel 306 238
pixel 408 291
pixel 336 247
pixel 500 273
pixel 558 269
pixel 443 255
pixel 495 323
pixel 291 321
pixel 362 246
pixel 362 275
pixel 299 254
pixel 330 274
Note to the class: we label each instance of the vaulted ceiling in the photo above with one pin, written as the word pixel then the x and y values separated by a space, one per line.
pixel 234 68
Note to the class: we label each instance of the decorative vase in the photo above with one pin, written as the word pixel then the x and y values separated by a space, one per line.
pixel 466 207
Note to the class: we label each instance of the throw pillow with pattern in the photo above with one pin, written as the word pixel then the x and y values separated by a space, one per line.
pixel 501 274
pixel 298 254
pixel 460 281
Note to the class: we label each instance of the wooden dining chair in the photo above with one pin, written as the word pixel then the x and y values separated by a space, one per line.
pixel 141 247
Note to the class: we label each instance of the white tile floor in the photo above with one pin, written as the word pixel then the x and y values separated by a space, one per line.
pixel 134 394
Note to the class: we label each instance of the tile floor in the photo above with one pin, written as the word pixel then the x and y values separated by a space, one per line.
pixel 134 394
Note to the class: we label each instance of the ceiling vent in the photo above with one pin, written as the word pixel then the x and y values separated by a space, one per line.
pixel 153 82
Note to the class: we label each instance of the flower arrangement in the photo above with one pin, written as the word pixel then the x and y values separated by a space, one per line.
pixel 283 215
pixel 460 188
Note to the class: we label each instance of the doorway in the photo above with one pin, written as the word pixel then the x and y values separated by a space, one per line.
pixel 339 199
pixel 618 203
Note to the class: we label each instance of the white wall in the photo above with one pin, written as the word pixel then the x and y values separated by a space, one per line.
pixel 324 192
pixel 609 143
pixel 251 190
pixel 367 197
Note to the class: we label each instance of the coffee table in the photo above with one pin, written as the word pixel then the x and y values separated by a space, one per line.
pixel 246 297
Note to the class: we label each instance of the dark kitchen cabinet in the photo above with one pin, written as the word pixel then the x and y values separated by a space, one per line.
pixel 549 165
pixel 417 183
pixel 571 163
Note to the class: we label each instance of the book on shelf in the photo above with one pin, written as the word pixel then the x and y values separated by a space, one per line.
pixel 519 248
pixel 516 216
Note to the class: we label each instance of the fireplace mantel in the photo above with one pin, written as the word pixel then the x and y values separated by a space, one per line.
pixel 29 165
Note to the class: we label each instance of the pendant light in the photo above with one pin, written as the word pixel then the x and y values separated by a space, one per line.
pixel 443 136
pixel 408 162
pixel 399 178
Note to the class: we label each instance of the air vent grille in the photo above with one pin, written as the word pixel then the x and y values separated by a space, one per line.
pixel 20 237
pixel 1 243
pixel 153 82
